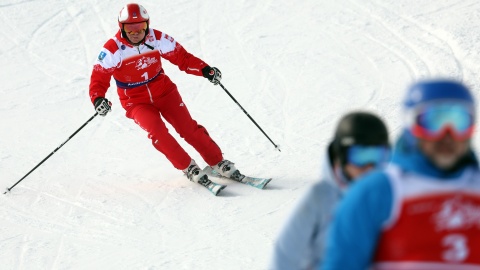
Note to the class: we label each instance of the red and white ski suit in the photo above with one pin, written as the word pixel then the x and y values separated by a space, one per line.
pixel 147 94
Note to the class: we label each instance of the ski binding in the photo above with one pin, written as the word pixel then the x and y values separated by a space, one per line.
pixel 257 182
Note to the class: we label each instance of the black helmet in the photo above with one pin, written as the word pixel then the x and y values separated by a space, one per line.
pixel 358 128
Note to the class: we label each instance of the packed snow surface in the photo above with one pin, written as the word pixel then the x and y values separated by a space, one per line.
pixel 108 200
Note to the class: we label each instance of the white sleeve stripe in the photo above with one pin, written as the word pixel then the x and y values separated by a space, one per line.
pixel 167 44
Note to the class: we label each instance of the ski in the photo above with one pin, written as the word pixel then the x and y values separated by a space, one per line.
pixel 212 186
pixel 247 180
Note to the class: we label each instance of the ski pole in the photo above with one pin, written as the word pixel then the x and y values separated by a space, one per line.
pixel 56 149
pixel 276 146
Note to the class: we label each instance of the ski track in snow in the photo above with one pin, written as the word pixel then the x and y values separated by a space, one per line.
pixel 108 200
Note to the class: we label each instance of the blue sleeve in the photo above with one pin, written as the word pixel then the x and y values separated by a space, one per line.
pixel 293 248
pixel 352 237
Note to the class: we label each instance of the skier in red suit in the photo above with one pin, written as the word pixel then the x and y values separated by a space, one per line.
pixel 134 58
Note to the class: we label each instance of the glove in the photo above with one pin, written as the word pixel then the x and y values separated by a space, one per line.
pixel 102 106
pixel 213 74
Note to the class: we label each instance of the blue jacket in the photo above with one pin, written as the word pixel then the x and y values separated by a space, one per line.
pixel 353 235
pixel 300 242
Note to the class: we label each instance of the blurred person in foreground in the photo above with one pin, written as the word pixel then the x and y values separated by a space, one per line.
pixel 133 57
pixel 423 210
pixel 360 144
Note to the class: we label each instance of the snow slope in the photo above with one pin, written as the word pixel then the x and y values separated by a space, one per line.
pixel 108 200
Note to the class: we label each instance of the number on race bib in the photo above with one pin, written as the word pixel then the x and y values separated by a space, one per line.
pixel 145 76
pixel 457 249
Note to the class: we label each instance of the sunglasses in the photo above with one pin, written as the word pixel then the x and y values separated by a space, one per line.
pixel 433 121
pixel 135 28
pixel 362 155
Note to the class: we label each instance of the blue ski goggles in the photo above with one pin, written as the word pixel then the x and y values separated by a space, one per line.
pixel 363 155
pixel 433 121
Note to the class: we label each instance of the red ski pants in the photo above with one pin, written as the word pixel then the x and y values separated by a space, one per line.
pixel 174 111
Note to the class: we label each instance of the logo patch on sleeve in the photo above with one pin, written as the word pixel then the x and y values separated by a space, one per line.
pixel 101 56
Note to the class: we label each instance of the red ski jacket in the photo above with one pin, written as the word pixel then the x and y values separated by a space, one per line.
pixel 137 70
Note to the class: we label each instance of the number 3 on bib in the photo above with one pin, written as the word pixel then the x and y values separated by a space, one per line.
pixel 457 248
